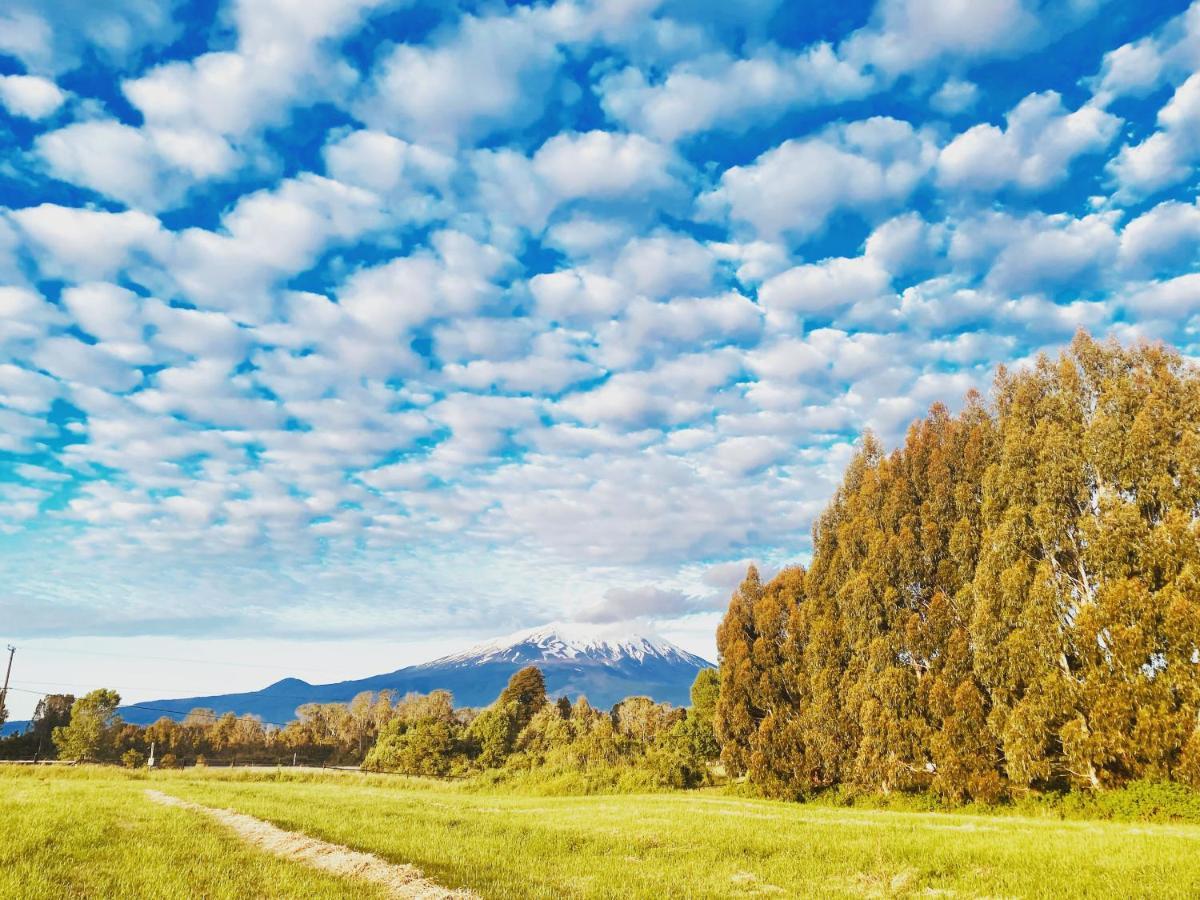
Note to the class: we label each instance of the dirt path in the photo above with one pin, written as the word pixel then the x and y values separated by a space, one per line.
pixel 399 880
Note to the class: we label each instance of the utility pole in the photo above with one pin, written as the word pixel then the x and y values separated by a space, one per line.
pixel 4 692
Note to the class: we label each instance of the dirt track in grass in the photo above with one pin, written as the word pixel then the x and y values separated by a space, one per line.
pixel 402 881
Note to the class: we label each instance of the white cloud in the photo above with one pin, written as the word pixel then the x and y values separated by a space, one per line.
pixel 621 604
pixel 601 164
pixel 956 95
pixel 52 38
pixel 1046 252
pixel 19 434
pixel 671 393
pixel 1132 69
pixel 904 243
pixel 279 59
pixel 792 359
pixel 1135 69
pixel 825 288
pixel 392 298
pixel 27 391
pixel 110 313
pixel 649 330
pixel 381 163
pixel 1167 156
pixel 755 260
pixel 1176 298
pixel 905 35
pixel 793 189
pixel 585 236
pixel 267 236
pixel 1161 238
pixel 1034 151
pixel 490 73
pixel 147 168
pixel 664 264
pixel 721 91
pixel 208 392
pixel 30 96
pixel 86 243
pixel 617 173
pixel 717 90
pixel 750 454
pixel 195 332
pixel 72 360
pixel 26 315
pixel 510 192
pixel 549 364
pixel 479 425
pixel 576 295
pixel 202 115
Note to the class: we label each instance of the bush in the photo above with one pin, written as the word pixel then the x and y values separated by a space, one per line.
pixel 133 759
pixel 168 761
pixel 425 747
pixel 1139 801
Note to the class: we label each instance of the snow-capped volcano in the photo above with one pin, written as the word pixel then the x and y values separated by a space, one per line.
pixel 602 662
pixel 559 641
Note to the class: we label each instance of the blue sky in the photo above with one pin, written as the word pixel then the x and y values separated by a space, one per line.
pixel 394 324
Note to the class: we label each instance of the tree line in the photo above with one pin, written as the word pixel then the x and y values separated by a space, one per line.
pixel 1009 601
pixel 89 729
pixel 522 734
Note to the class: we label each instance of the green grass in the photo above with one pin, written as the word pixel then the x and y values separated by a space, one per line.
pixel 704 844
pixel 92 833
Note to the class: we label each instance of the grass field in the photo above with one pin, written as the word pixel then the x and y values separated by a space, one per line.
pixel 91 832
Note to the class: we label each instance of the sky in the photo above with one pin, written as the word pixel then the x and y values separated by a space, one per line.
pixel 336 335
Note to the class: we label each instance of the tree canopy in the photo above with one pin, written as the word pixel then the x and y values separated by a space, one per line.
pixel 90 734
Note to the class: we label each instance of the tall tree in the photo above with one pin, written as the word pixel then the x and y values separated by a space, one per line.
pixel 699 728
pixel 52 711
pixel 738 713
pixel 527 690
pixel 89 735
pixel 818 639
pixel 776 747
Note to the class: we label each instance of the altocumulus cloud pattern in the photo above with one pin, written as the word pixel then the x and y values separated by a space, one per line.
pixel 343 315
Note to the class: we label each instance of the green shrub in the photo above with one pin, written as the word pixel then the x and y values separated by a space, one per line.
pixel 1139 801
pixel 133 759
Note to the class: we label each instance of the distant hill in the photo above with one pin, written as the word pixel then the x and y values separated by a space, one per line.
pixel 603 664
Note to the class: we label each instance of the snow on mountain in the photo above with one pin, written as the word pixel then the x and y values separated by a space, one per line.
pixel 570 641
